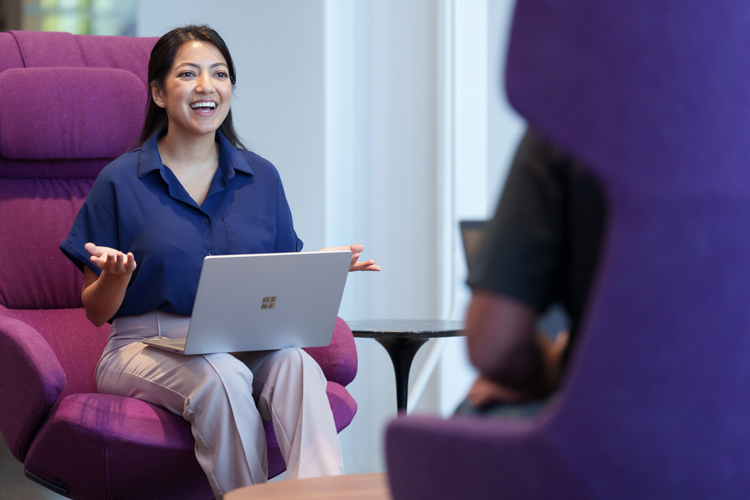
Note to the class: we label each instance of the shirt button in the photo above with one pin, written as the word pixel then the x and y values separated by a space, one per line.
pixel 206 221
pixel 210 252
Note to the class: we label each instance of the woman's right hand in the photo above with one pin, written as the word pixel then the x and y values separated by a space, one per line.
pixel 110 260
pixel 102 295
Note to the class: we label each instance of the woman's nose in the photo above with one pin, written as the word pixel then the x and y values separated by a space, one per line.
pixel 204 85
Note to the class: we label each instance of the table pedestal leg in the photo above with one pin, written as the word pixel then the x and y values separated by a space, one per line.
pixel 402 353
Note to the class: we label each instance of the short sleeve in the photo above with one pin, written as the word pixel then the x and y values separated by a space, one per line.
pixel 286 237
pixel 522 249
pixel 96 222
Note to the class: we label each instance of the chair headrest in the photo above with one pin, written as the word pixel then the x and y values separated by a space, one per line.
pixel 69 113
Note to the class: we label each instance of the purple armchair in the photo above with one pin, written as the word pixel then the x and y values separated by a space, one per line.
pixel 70 105
pixel 655 97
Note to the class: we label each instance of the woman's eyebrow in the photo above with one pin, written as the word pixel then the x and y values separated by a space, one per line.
pixel 194 65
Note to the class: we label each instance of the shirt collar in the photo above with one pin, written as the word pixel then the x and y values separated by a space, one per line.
pixel 230 159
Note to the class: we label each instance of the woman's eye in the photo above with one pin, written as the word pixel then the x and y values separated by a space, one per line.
pixel 221 74
pixel 186 73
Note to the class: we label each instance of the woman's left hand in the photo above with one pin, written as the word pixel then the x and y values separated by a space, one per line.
pixel 356 250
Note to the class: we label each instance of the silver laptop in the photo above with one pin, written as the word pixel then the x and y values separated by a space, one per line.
pixel 264 301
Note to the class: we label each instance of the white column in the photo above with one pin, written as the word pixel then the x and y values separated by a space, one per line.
pixel 381 181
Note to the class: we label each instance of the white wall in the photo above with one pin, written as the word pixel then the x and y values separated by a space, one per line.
pixel 381 117
pixel 504 125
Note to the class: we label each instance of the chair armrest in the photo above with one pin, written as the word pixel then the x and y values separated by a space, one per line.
pixel 31 381
pixel 477 458
pixel 338 359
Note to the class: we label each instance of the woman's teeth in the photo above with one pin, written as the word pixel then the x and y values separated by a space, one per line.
pixel 208 105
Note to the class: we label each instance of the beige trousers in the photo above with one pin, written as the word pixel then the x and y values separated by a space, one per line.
pixel 224 397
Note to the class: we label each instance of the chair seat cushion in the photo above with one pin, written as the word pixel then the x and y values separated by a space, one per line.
pixel 103 446
pixel 98 442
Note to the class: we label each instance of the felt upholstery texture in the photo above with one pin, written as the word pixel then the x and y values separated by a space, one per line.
pixel 653 96
pixel 53 143
pixel 45 120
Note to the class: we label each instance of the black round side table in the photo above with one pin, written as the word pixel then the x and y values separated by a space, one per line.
pixel 402 338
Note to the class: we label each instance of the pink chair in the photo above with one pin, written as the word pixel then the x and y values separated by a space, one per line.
pixel 70 105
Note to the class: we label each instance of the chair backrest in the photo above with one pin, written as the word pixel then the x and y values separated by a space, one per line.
pixel 655 98
pixel 70 105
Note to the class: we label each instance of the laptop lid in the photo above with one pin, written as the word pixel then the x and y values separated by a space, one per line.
pixel 267 301
pixel 472 234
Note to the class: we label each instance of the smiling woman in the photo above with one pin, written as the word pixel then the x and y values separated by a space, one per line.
pixel 192 190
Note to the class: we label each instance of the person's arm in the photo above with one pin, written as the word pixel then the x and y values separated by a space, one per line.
pixel 102 295
pixel 506 347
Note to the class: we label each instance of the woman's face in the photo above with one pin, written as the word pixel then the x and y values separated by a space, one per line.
pixel 197 91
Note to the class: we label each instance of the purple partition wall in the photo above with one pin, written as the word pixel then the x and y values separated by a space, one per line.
pixel 654 96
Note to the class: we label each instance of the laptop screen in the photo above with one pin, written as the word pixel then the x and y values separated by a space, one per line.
pixel 472 234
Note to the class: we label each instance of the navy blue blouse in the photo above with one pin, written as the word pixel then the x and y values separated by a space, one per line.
pixel 137 205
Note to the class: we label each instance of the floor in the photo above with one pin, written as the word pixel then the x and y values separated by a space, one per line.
pixel 14 485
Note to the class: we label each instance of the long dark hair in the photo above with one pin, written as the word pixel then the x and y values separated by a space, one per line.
pixel 159 65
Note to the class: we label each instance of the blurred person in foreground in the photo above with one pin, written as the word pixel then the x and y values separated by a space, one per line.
pixel 541 249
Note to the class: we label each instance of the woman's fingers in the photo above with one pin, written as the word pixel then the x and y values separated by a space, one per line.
pixel 119 263
pixel 108 260
pixel 91 248
pixel 111 261
pixel 131 262
pixel 368 265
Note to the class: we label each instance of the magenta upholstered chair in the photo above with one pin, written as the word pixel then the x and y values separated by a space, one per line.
pixel 68 106
pixel 655 98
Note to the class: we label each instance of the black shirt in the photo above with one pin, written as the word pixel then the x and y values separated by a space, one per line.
pixel 542 246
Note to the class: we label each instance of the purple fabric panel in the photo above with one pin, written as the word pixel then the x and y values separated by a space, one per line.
pixel 632 96
pixel 52 169
pixel 37 215
pixel 76 342
pixel 339 358
pixel 652 96
pixel 666 382
pixel 11 55
pixel 31 381
pixel 104 446
pixel 123 52
pixel 70 113
pixel 434 459
pixel 48 49
pixel 276 464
